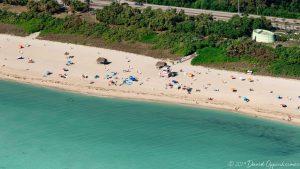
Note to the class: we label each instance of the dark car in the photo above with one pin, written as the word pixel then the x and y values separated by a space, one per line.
pixel 125 3
pixel 172 74
pixel 139 3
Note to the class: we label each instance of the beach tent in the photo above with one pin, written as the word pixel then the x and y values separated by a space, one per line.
pixel 160 64
pixel 245 99
pixel 164 74
pixel 132 78
pixel 69 62
pixel 101 60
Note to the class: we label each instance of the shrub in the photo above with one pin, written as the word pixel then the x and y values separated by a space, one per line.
pixel 15 2
pixel 77 5
pixel 247 47
pixel 210 55
pixel 50 6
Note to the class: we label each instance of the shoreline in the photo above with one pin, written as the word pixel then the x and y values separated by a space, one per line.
pixel 152 90
pixel 261 114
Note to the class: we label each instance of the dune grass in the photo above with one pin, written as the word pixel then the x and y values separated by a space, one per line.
pixel 210 55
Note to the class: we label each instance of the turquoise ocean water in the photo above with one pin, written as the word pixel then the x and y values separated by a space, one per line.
pixel 48 129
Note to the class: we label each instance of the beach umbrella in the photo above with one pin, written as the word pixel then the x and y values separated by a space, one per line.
pixel 101 60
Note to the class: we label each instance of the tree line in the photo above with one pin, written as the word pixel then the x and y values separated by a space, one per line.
pixel 178 32
pixel 51 6
pixel 175 31
pixel 279 8
pixel 171 21
pixel 279 61
pixel 14 2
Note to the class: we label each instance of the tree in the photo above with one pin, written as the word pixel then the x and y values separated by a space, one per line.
pixel 33 6
pixel 77 5
pixel 280 8
pixel 262 23
pixel 15 2
pixel 50 6
pixel 73 21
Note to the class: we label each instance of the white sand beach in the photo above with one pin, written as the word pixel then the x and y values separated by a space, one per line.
pixel 259 96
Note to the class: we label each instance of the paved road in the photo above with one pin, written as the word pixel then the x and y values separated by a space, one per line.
pixel 281 23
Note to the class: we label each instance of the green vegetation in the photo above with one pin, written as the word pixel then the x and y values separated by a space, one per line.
pixel 50 6
pixel 178 32
pixel 287 62
pixel 210 55
pixel 217 42
pixel 15 2
pixel 77 5
pixel 279 8
pixel 11 29
pixel 281 61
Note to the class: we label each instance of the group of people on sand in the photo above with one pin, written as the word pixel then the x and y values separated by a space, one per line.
pixel 130 76
pixel 166 72
pixel 173 83
pixel 21 57
pixel 113 78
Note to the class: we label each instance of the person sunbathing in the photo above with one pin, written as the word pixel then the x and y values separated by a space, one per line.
pixel 30 61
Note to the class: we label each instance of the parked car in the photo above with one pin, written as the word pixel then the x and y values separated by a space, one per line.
pixel 138 3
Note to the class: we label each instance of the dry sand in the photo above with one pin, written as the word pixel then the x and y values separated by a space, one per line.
pixel 216 84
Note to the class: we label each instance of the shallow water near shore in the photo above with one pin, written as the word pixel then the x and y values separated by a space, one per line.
pixel 49 129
